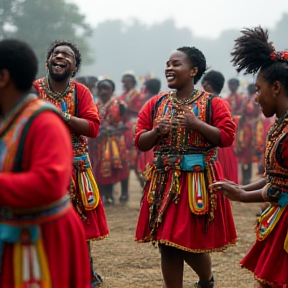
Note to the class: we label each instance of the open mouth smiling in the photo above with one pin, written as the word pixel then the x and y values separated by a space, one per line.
pixel 170 76
pixel 59 65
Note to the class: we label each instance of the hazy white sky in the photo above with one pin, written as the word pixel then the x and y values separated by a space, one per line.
pixel 207 18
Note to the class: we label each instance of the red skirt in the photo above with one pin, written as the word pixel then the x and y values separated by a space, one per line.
pixel 186 231
pixel 267 259
pixel 96 227
pixel 117 175
pixel 229 163
pixel 66 250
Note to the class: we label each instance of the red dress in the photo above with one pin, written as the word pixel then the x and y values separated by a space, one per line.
pixel 43 180
pixel 228 160
pixel 134 101
pixel 177 207
pixel 235 101
pixel 78 102
pixel 268 258
pixel 108 152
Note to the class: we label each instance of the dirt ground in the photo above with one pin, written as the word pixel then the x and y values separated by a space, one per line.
pixel 123 263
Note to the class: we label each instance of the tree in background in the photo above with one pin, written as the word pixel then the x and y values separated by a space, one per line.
pixel 41 22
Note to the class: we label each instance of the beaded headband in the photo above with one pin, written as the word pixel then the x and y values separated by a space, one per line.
pixel 282 56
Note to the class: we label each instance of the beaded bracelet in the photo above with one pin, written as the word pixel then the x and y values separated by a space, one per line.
pixel 66 117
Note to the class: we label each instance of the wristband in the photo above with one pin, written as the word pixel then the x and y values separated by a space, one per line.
pixel 66 117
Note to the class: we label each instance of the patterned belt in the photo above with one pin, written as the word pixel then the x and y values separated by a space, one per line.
pixel 35 215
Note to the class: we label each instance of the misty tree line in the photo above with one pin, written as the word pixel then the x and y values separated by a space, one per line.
pixel 114 47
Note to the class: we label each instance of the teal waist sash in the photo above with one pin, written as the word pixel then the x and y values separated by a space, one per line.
pixel 187 162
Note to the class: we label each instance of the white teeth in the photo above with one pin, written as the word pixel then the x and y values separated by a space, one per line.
pixel 170 77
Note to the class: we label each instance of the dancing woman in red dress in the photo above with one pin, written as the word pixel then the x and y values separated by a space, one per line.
pixel 268 258
pixel 185 126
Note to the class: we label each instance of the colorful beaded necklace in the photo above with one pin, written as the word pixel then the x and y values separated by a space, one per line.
pixel 176 100
pixel 56 96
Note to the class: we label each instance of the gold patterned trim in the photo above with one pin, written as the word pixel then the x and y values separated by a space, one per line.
pixel 168 243
pixel 99 238
pixel 260 280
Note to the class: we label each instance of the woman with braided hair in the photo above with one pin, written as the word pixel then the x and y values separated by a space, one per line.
pixel 268 258
pixel 184 127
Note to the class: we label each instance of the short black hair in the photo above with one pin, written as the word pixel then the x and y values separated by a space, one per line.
pixel 131 76
pixel 215 79
pixel 197 59
pixel 153 85
pixel 100 83
pixel 253 52
pixel 73 46
pixel 234 81
pixel 88 81
pixel 20 60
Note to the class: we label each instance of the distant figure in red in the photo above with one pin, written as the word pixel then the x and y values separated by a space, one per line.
pixel 213 83
pixel 42 239
pixel 132 98
pixel 246 134
pixel 235 99
pixel 250 136
pixel 75 103
pixel 109 154
pixel 150 88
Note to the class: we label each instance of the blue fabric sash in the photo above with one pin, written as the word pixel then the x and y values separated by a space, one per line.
pixel 191 161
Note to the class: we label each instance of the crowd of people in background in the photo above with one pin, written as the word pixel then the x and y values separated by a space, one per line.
pixel 185 145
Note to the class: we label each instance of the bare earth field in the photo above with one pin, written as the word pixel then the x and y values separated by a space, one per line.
pixel 123 263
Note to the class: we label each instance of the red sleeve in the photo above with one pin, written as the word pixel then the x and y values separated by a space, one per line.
pixel 87 109
pixel 47 161
pixel 221 118
pixel 145 121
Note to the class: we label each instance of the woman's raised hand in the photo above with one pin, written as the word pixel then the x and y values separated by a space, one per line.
pixel 190 119
pixel 163 126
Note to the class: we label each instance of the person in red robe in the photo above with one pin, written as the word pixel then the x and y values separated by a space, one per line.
pixel 131 96
pixel 132 99
pixel 75 103
pixel 213 82
pixel 235 99
pixel 42 240
pixel 184 126
pixel 109 153
pixel 268 257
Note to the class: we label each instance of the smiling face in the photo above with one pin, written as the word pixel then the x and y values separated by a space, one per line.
pixel 61 63
pixel 265 96
pixel 178 72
